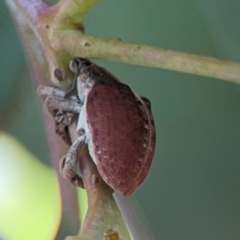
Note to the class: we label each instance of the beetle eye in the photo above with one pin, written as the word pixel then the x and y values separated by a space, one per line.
pixel 79 64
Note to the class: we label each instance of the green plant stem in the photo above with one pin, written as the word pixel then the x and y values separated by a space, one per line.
pixel 115 50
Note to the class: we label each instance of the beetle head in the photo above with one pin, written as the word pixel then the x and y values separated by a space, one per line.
pixel 83 81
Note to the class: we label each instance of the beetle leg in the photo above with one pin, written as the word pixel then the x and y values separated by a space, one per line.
pixel 63 111
pixel 65 105
pixel 62 121
pixel 77 180
pixel 69 163
pixel 54 99
pixel 44 91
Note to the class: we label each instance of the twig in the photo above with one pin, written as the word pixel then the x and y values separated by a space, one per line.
pixel 115 50
pixel 38 69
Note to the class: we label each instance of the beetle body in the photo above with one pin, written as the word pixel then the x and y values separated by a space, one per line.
pixel 119 128
pixel 116 123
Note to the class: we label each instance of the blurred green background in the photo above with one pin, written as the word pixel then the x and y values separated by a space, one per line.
pixel 192 191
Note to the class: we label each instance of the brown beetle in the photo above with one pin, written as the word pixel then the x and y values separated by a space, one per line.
pixel 116 123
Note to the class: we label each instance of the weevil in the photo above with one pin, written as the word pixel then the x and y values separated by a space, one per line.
pixel 116 123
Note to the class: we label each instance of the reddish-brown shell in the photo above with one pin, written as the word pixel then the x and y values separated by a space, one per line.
pixel 123 138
